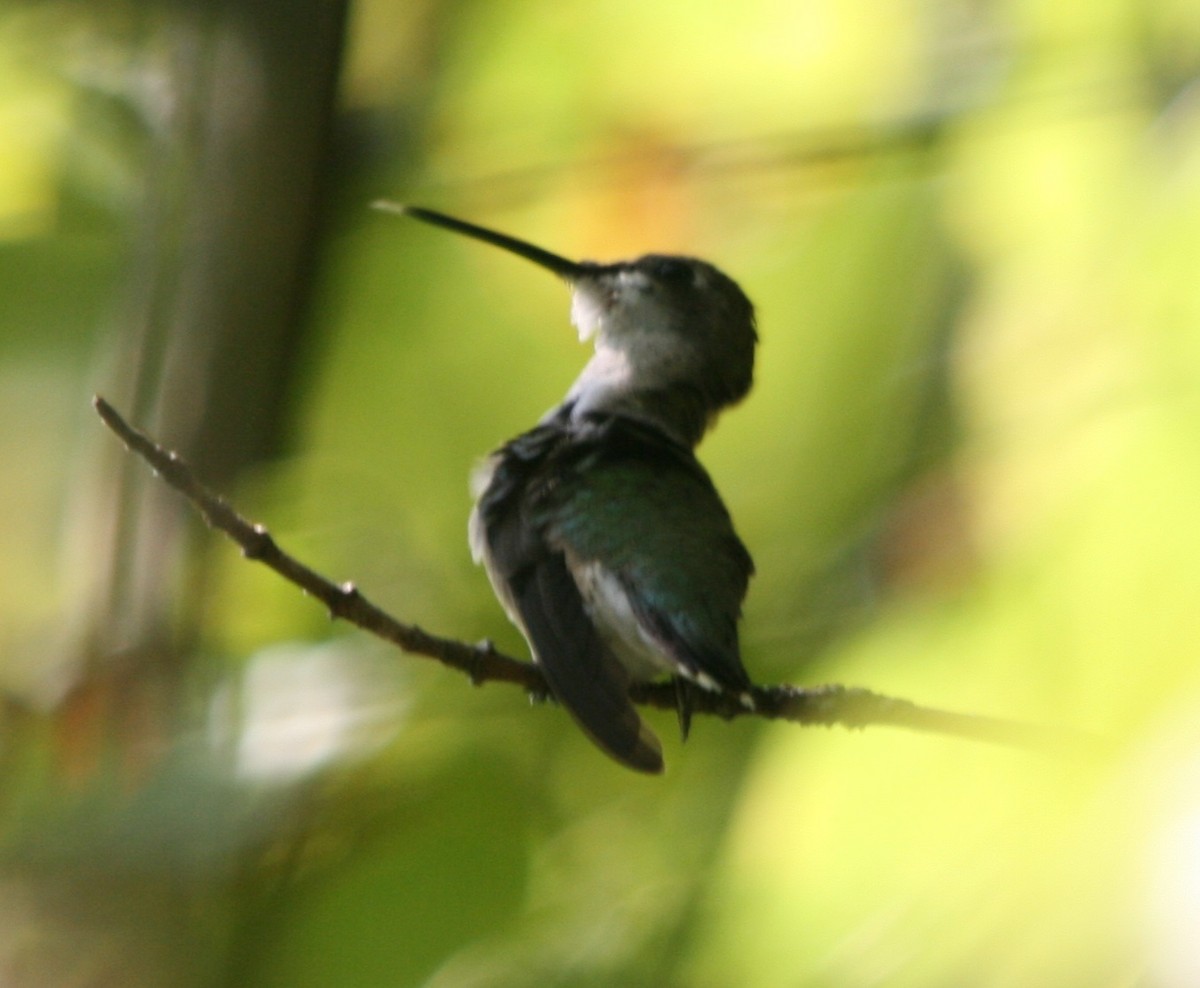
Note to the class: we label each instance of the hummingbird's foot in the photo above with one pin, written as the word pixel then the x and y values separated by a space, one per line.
pixel 537 697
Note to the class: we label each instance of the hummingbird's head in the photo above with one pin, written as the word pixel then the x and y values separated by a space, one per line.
pixel 675 320
pixel 674 336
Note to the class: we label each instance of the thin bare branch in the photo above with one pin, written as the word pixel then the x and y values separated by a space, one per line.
pixel 481 662
pixel 850 707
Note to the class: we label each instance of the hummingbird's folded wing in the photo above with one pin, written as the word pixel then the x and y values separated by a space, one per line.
pixel 644 511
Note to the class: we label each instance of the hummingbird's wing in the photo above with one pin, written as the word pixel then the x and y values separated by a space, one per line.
pixel 532 580
pixel 641 511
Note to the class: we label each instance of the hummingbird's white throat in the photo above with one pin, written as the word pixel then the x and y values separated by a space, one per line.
pixel 588 308
pixel 596 301
pixel 599 310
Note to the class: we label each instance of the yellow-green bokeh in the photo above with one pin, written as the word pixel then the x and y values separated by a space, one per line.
pixel 980 353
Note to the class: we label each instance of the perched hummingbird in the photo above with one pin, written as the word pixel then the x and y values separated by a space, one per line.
pixel 601 533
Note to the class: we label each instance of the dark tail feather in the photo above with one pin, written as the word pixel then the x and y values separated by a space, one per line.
pixel 583 675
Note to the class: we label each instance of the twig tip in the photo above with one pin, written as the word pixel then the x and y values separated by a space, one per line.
pixel 391 206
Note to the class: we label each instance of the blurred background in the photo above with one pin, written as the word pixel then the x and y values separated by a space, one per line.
pixel 969 474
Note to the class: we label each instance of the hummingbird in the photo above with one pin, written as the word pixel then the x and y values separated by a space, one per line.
pixel 601 533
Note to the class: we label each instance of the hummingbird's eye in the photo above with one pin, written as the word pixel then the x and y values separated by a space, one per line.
pixel 672 271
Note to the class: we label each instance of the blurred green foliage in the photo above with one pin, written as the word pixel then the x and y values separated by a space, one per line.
pixel 969 473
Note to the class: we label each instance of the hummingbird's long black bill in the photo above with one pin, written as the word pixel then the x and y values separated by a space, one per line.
pixel 561 266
